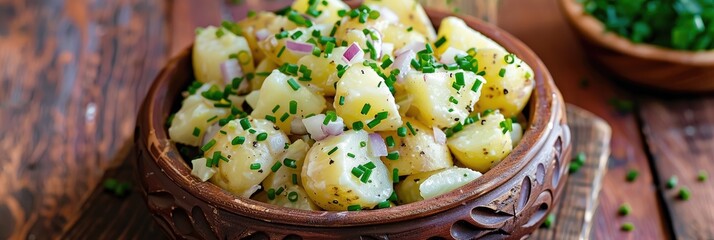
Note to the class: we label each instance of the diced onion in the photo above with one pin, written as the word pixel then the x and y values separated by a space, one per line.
pixel 230 69
pixel 377 145
pixel 262 34
pixel 439 136
pixel 277 143
pixel 353 54
pixel 313 125
pixel 414 46
pixel 299 47
pixel 200 170
pixel 402 62
pixel 334 128
pixel 448 56
pixel 297 127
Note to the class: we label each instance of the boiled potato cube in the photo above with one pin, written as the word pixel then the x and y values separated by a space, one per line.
pixel 268 23
pixel 460 36
pixel 417 153
pixel 428 185
pixel 265 66
pixel 398 35
pixel 290 164
pixel 328 12
pixel 324 70
pixel 214 46
pixel 293 196
pixel 278 91
pixel 509 86
pixel 439 103
pixel 329 178
pixel 366 99
pixel 191 123
pixel 410 13
pixel 243 165
pixel 481 145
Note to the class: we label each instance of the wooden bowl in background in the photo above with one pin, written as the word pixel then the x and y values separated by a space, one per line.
pixel 509 201
pixel 644 64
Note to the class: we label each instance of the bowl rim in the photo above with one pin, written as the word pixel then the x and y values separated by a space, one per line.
pixel 543 113
pixel 594 30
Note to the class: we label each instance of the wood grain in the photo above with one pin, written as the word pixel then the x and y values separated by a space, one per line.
pixel 680 136
pixel 574 214
pixel 549 36
pixel 72 74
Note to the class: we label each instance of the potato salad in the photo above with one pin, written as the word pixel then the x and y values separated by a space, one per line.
pixel 322 107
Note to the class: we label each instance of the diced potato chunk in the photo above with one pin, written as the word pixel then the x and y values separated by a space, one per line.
pixel 324 70
pixel 265 66
pixel 509 86
pixel 428 185
pixel 439 102
pixel 214 46
pixel 278 91
pixel 288 172
pixel 410 13
pixel 328 13
pixel 248 162
pixel 267 22
pixel 328 177
pixel 460 36
pixel 417 153
pixel 481 145
pixel 191 123
pixel 366 97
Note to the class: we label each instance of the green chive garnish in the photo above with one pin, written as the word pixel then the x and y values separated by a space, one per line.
pixel 385 204
pixel 332 151
pixel 365 109
pixel 238 140
pixel 280 53
pixel 293 196
pixel 374 123
pixel 271 194
pixel 275 109
pixel 290 163
pixel 370 165
pixel 357 126
pixel 293 84
pixel 357 172
pixel 386 63
pixel 402 131
pixel 351 155
pixel 549 221
pixel 362 144
pixel 632 175
pixel 208 145
pixel 196 132
pixel 390 141
pixel 684 193
pixel 293 107
pixel 295 180
pixel 276 166
pixel 703 176
pixel 365 176
pixel 342 100
pixel 395 175
pixel 672 182
pixel 440 42
pixel 393 155
pixel 279 191
pixel 245 123
pixel 624 209
pixel 270 118
pixel 411 129
pixel 261 137
pixel 254 166
pixel 354 208
pixel 627 227
pixel 502 72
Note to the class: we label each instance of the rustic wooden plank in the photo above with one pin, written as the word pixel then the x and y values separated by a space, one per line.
pixel 591 135
pixel 186 16
pixel 680 135
pixel 72 76
pixel 541 26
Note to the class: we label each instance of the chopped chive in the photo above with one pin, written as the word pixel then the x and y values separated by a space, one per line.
pixel 395 175
pixel 284 117
pixel 296 35
pixel 293 84
pixel 390 141
pixel 261 137
pixel 357 172
pixel 332 151
pixel 386 63
pixel 276 166
pixel 672 182
pixel 294 177
pixel 245 123
pixel 624 209
pixel 411 129
pixel 509 58
pixel 393 155
pixel 502 72
pixel 280 53
pixel 290 163
pixel 275 109
pixel 293 107
pixel 362 144
pixel 627 227
pixel 370 165
pixel 374 123
pixel 549 221
pixel 365 109
pixel 293 196
pixel 460 78
pixel 196 132
pixel 365 176
pixel 328 48
pixel 410 28
pixel 270 118
pixel 632 175
pixel 402 131
pixel 385 204
pixel 279 191
pixel 354 208
pixel 271 194
pixel 351 155
pixel 254 166
pixel 357 126
pixel 252 131
pixel 223 132
pixel 208 145
pixel 684 193
pixel 440 42
pixel 382 115
pixel 212 118
pixel 238 140
pixel 507 126
pixel 373 14
pixel 316 51
pixel 281 35
pixel 703 176
pixel 342 100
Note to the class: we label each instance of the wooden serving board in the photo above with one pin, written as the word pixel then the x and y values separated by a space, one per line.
pixel 105 216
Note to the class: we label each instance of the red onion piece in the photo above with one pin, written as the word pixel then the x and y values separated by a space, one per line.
pixel 262 34
pixel 448 56
pixel 402 62
pixel 230 69
pixel 297 127
pixel 414 46
pixel 313 125
pixel 298 47
pixel 439 136
pixel 377 145
pixel 334 128
pixel 353 54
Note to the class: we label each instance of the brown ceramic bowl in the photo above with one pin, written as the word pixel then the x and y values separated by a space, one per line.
pixel 510 201
pixel 643 64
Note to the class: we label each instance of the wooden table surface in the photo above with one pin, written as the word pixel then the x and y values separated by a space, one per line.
pixel 73 73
